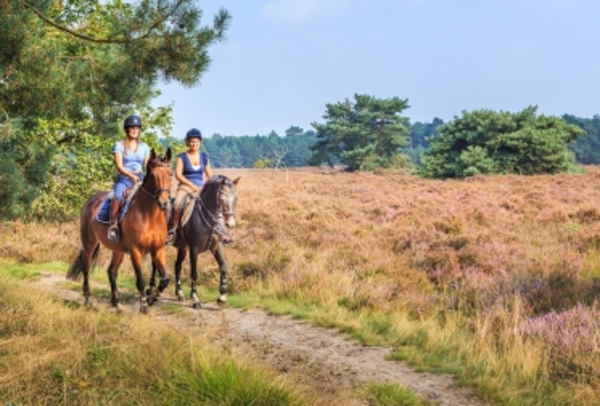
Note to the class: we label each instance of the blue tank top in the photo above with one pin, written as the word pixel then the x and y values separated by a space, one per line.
pixel 196 176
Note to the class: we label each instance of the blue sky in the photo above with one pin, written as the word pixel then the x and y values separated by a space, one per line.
pixel 284 60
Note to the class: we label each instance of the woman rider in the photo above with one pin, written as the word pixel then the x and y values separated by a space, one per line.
pixel 130 157
pixel 190 168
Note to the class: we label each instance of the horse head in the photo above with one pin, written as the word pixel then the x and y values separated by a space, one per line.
pixel 158 176
pixel 228 200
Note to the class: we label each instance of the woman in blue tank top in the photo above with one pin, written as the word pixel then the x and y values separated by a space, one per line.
pixel 190 168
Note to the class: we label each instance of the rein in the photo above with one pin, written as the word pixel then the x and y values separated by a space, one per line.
pixel 156 192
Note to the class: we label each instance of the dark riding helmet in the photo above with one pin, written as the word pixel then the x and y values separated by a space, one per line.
pixel 193 133
pixel 132 121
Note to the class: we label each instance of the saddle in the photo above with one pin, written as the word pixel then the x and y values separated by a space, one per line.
pixel 104 212
pixel 187 207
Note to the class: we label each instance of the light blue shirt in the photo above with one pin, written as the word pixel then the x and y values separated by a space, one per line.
pixel 133 161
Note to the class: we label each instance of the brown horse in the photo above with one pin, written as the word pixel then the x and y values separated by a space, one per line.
pixel 143 230
pixel 204 232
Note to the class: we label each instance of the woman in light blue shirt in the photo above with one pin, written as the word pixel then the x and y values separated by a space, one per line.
pixel 130 158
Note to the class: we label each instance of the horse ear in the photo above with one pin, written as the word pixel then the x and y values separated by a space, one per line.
pixel 152 154
pixel 168 154
pixel 235 182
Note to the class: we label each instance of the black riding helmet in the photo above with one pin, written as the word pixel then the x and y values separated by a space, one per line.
pixel 193 133
pixel 132 121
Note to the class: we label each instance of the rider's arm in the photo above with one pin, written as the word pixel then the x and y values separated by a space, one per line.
pixel 118 159
pixel 146 159
pixel 208 170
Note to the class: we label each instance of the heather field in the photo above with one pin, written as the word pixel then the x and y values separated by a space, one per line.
pixel 492 279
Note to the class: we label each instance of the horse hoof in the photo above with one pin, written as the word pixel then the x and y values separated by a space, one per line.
pixel 180 296
pixel 197 305
pixel 144 309
pixel 222 301
pixel 119 308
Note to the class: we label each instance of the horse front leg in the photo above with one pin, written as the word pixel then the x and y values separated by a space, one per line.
pixel 194 274
pixel 218 254
pixel 151 292
pixel 113 273
pixel 152 286
pixel 178 266
pixel 140 283
pixel 158 263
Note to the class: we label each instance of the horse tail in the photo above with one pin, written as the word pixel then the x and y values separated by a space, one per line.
pixel 78 266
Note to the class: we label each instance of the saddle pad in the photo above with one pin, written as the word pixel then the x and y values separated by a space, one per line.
pixel 104 212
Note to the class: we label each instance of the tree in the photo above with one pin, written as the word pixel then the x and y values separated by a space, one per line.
pixel 294 131
pixel 365 134
pixel 420 132
pixel 298 147
pixel 487 142
pixel 586 147
pixel 70 71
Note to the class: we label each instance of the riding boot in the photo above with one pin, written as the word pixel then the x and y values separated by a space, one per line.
pixel 173 223
pixel 113 228
pixel 226 238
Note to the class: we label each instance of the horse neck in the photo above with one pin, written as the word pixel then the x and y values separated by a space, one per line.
pixel 208 199
pixel 144 202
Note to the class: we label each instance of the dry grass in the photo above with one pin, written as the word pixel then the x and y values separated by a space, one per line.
pixel 55 353
pixel 455 268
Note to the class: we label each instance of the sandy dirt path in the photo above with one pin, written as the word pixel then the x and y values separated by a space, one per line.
pixel 322 360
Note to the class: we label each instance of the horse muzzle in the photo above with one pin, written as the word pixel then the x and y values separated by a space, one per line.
pixel 230 221
pixel 163 199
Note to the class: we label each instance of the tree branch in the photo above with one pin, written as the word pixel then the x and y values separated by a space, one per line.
pixel 46 19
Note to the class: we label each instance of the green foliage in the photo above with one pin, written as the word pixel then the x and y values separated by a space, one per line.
pixel 24 162
pixel 586 147
pixel 487 142
pixel 365 134
pixel 271 150
pixel 388 394
pixel 262 163
pixel 70 72
pixel 421 132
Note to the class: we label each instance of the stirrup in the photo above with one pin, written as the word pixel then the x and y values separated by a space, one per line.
pixel 227 240
pixel 171 237
pixel 113 233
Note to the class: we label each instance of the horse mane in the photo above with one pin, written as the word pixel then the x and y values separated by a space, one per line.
pixel 213 183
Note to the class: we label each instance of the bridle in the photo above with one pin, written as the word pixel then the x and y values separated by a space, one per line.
pixel 157 190
pixel 220 212
pixel 229 197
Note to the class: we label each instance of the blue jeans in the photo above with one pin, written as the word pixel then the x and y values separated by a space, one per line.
pixel 123 182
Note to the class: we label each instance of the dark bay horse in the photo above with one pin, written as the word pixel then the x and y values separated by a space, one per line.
pixel 143 230
pixel 203 232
